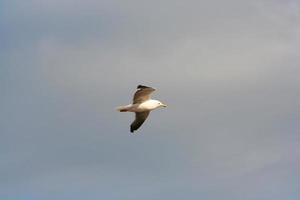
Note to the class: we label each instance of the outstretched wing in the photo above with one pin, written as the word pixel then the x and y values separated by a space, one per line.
pixel 142 94
pixel 140 117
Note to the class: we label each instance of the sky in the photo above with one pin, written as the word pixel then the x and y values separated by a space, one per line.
pixel 228 71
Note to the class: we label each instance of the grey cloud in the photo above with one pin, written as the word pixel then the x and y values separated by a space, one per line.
pixel 228 71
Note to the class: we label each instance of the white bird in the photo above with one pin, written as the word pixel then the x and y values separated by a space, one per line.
pixel 141 105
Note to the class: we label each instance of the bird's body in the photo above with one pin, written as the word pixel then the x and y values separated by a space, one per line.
pixel 141 106
pixel 148 105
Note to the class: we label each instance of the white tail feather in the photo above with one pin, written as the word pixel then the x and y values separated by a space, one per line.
pixel 122 109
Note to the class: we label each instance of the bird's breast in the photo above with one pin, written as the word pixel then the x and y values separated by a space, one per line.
pixel 147 105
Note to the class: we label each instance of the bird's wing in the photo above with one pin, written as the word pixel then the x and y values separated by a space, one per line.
pixel 140 117
pixel 142 94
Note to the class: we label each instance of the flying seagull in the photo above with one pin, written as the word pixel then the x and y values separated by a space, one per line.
pixel 141 105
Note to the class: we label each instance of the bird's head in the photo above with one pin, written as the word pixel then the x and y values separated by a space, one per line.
pixel 160 104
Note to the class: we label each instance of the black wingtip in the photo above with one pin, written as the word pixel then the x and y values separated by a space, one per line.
pixel 131 129
pixel 142 87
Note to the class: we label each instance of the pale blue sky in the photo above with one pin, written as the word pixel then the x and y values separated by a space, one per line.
pixel 228 70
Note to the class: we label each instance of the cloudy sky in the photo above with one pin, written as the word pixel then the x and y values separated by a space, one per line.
pixel 228 70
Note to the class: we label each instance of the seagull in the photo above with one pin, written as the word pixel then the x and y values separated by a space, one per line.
pixel 141 106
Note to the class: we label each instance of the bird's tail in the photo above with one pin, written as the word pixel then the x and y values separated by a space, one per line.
pixel 122 109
